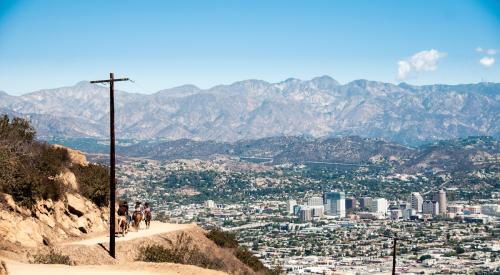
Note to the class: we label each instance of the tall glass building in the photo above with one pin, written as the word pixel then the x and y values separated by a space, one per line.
pixel 334 203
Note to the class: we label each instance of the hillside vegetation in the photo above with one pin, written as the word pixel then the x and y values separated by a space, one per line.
pixel 29 168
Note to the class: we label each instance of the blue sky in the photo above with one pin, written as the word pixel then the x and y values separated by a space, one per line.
pixel 161 44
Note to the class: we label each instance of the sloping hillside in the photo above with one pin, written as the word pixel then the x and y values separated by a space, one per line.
pixel 53 211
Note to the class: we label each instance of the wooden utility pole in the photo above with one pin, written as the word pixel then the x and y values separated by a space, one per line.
pixel 112 180
pixel 394 256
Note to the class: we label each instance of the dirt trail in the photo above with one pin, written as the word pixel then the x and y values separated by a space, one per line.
pixel 155 229
pixel 106 265
pixel 16 268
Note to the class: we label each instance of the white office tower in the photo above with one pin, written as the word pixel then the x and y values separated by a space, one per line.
pixel 430 207
pixel 440 197
pixel 315 201
pixel 416 201
pixel 380 206
pixel 210 204
pixel 334 203
pixel 291 204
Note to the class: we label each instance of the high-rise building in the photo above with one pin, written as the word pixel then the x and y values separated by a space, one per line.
pixel 296 209
pixel 317 211
pixel 209 204
pixel 305 213
pixel 416 201
pixel 291 204
pixel 380 206
pixel 334 203
pixel 430 207
pixel 440 197
pixel 350 203
pixel 365 203
pixel 408 213
pixel 315 201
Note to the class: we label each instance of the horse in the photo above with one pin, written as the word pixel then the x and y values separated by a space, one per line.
pixel 137 218
pixel 147 219
pixel 123 225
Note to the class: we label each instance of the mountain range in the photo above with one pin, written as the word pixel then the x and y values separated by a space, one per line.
pixel 254 109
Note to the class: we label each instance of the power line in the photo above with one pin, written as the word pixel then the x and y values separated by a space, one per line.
pixel 145 90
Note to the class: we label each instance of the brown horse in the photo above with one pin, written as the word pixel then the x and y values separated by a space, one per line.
pixel 123 225
pixel 147 219
pixel 137 218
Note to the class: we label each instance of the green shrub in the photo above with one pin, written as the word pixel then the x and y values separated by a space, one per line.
pixel 223 239
pixel 27 167
pixel 52 257
pixel 459 249
pixel 246 257
pixel 93 181
pixel 425 257
pixel 450 254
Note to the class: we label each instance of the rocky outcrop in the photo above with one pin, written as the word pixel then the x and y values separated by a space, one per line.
pixel 68 179
pixel 76 204
pixel 75 156
pixel 49 221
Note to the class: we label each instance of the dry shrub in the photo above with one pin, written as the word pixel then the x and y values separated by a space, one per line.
pixel 53 257
pixel 181 251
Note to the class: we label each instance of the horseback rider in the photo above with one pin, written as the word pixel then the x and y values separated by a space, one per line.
pixel 147 214
pixel 123 210
pixel 123 217
pixel 138 207
pixel 147 209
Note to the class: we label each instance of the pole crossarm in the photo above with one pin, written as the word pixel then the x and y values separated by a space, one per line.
pixel 109 80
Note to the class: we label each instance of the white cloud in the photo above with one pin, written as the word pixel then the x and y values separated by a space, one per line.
pixel 486 51
pixel 404 69
pixel 487 61
pixel 419 62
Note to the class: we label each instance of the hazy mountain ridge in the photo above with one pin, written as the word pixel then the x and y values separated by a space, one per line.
pixel 254 109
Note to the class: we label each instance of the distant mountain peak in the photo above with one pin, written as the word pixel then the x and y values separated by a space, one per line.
pixel 324 82
pixel 291 80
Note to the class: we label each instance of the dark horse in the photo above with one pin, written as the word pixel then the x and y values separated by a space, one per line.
pixel 147 219
pixel 137 218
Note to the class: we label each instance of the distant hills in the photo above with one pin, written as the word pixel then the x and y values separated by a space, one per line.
pixel 254 109
pixel 465 154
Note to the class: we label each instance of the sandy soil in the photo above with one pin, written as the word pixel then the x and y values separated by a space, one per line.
pixel 125 266
pixel 155 229
pixel 16 268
